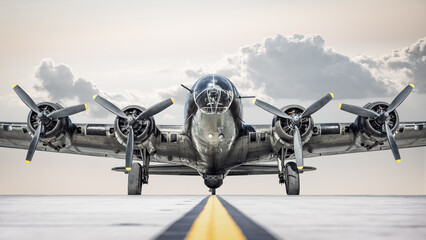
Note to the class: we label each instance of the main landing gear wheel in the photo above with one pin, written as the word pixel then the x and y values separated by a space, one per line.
pixel 292 184
pixel 134 185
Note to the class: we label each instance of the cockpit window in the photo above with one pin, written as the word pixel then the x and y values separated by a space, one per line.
pixel 213 94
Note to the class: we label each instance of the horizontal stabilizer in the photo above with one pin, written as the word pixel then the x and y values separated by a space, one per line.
pixel 182 170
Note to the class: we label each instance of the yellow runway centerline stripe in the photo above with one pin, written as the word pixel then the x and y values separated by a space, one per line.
pixel 214 222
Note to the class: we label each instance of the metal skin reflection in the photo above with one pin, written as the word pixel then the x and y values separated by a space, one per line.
pixel 213 129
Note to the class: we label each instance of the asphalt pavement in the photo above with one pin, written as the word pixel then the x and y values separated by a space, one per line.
pixel 174 217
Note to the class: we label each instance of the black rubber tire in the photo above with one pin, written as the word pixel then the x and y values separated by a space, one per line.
pixel 292 184
pixel 134 184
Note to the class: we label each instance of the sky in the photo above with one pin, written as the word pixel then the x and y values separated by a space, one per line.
pixel 284 52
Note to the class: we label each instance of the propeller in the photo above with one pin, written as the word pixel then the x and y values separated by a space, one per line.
pixel 131 121
pixel 383 117
pixel 43 118
pixel 296 121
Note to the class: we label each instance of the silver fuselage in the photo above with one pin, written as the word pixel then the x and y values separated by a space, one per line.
pixel 214 134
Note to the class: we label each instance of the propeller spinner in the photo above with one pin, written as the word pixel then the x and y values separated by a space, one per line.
pixel 131 121
pixel 43 118
pixel 296 120
pixel 383 117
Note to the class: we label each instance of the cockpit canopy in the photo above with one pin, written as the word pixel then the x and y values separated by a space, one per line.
pixel 213 94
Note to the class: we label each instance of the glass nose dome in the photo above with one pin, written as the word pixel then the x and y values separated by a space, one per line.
pixel 213 94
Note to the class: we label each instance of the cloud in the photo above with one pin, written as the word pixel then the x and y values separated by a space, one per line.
pixel 177 92
pixel 60 84
pixel 195 73
pixel 281 67
pixel 303 67
pixel 407 65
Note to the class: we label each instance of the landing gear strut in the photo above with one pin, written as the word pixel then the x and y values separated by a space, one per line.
pixel 213 191
pixel 138 175
pixel 288 174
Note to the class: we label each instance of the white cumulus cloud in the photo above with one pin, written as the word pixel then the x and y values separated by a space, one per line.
pixel 299 67
pixel 58 81
pixel 401 67
pixel 304 67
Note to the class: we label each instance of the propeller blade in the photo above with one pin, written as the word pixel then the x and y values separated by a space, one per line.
pixel 109 106
pixel 392 143
pixel 400 98
pixel 68 111
pixel 129 150
pixel 33 144
pixel 360 111
pixel 317 105
pixel 26 98
pixel 297 142
pixel 269 108
pixel 156 109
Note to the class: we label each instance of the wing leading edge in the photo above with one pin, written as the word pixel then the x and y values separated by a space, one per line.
pixel 171 144
pixel 329 139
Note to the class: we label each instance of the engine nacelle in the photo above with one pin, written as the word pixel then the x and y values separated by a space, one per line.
pixel 283 129
pixel 143 129
pixel 55 130
pixel 370 132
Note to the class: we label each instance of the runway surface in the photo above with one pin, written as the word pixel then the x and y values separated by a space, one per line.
pixel 177 217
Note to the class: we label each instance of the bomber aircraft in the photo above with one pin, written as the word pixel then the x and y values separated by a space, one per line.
pixel 214 141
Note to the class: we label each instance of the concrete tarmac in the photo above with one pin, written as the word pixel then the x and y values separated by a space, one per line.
pixel 147 217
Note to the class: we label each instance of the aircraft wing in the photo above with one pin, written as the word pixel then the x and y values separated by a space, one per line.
pixel 328 139
pixel 99 140
pixel 173 146
pixel 86 139
pixel 338 138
